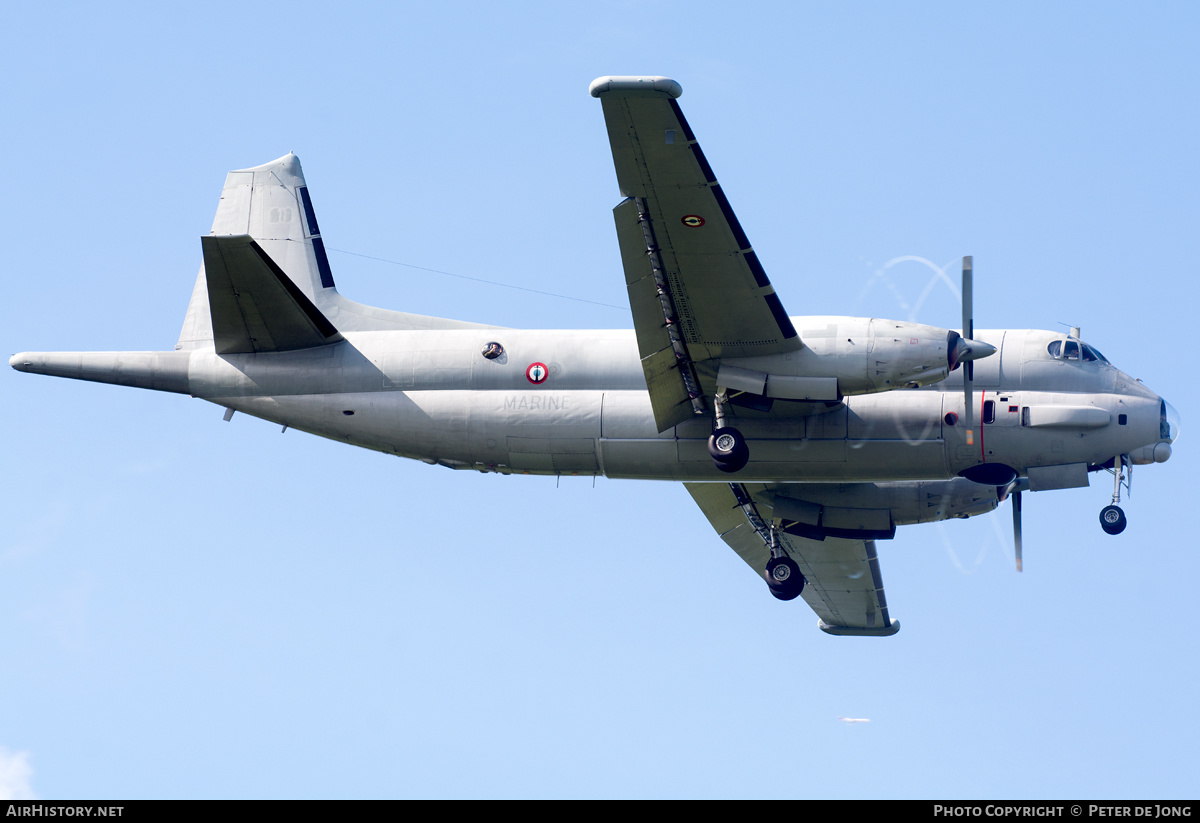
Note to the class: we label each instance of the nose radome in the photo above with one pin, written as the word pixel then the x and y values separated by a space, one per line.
pixel 1158 453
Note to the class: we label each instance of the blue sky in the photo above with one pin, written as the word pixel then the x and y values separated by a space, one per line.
pixel 194 608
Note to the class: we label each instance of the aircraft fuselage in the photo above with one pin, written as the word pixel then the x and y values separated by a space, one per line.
pixel 431 395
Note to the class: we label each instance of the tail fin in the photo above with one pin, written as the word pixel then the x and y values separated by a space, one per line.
pixel 271 204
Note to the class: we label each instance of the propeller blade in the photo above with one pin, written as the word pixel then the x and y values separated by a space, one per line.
pixel 968 331
pixel 968 297
pixel 1016 507
pixel 1008 488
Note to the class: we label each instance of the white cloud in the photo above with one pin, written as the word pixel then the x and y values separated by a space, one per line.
pixel 16 776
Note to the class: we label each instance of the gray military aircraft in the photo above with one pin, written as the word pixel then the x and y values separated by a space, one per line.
pixel 803 439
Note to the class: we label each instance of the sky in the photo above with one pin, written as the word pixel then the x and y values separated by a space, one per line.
pixel 198 609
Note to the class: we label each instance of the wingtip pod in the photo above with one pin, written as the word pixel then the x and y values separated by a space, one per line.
pixel 859 631
pixel 647 86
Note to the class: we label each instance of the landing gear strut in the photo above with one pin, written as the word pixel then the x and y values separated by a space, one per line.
pixel 1112 519
pixel 782 573
pixel 726 445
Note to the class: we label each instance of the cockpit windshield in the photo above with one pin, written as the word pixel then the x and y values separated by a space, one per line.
pixel 1168 426
pixel 1072 349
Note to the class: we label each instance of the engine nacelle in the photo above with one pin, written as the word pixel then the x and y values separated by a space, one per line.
pixel 844 356
pixel 872 511
pixel 905 355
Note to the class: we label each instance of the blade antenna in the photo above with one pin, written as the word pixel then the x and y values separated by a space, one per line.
pixel 968 332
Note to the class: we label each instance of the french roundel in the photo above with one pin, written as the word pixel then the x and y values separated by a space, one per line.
pixel 537 373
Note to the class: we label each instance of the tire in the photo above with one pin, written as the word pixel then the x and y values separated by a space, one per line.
pixel 784 578
pixel 728 449
pixel 1112 519
pixel 725 442
pixel 734 466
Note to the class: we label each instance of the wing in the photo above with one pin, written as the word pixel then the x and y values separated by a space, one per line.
pixel 842 580
pixel 696 287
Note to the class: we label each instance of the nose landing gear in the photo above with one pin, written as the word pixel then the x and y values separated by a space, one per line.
pixel 1112 519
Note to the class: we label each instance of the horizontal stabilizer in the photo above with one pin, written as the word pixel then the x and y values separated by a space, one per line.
pixel 255 306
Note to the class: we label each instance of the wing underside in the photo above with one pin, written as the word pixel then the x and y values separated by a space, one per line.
pixel 843 582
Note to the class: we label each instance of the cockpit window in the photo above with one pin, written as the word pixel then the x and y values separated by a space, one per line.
pixel 1168 426
pixel 1070 349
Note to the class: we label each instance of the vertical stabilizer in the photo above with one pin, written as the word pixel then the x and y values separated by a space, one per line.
pixel 270 203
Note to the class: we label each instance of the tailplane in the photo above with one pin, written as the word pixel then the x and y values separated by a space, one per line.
pixel 255 306
pixel 271 287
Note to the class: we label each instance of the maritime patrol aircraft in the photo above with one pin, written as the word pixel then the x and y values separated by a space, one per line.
pixel 804 440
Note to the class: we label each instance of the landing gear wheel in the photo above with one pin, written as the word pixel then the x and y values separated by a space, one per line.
pixel 1112 519
pixel 728 449
pixel 784 578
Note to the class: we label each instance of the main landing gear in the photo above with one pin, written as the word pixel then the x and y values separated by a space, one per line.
pixel 783 575
pixel 726 445
pixel 728 449
pixel 784 578
pixel 1112 519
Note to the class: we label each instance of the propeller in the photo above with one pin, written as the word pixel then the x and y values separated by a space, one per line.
pixel 1013 489
pixel 1016 507
pixel 968 331
pixel 963 351
pixel 966 350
